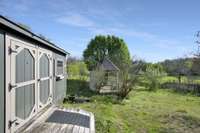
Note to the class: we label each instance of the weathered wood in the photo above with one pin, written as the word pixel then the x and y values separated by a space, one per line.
pixel 56 120
pixel 81 130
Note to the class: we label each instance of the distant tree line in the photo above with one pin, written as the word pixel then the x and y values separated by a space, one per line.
pixel 76 68
pixel 182 66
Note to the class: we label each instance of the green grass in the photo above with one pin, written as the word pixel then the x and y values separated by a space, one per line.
pixel 184 79
pixel 160 111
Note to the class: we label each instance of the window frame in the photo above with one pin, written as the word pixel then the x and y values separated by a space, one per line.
pixel 56 66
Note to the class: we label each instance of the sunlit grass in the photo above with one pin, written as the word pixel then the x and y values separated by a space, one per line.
pixel 184 79
pixel 144 111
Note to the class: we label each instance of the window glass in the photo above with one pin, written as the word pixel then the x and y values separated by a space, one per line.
pixel 59 67
pixel 59 63
pixel 25 66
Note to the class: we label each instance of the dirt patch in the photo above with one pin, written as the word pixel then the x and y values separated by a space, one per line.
pixel 180 122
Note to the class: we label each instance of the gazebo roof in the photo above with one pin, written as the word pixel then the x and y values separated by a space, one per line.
pixel 108 65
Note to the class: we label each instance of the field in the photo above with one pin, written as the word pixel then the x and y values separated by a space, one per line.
pixel 184 79
pixel 161 111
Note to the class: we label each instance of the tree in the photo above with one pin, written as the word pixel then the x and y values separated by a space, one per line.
pixel 106 46
pixel 196 59
pixel 130 78
pixel 76 68
pixel 180 66
pixel 153 74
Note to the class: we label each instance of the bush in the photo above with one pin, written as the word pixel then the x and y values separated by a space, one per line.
pixel 153 75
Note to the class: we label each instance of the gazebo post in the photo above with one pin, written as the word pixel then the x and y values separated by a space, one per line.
pixel 117 80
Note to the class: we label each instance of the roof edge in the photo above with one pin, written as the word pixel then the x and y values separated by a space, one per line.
pixel 14 26
pixel 117 68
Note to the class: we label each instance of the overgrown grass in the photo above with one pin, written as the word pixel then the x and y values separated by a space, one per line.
pixel 143 111
pixel 184 79
pixel 79 87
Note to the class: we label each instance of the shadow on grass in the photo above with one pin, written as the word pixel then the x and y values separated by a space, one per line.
pixel 180 122
pixel 79 88
pixel 141 89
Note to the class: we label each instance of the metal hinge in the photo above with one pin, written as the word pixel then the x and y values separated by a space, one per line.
pixel 10 50
pixel 10 123
pixel 11 86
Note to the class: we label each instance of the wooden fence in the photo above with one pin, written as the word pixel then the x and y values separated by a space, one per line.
pixel 182 87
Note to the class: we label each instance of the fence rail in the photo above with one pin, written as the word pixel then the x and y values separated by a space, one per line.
pixel 183 87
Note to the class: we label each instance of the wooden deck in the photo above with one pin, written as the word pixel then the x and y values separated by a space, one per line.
pixel 107 89
pixel 56 120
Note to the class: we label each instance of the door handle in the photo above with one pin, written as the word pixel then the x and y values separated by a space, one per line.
pixel 12 51
pixel 12 122
pixel 11 86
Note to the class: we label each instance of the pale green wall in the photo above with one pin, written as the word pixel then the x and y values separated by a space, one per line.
pixel 59 87
pixel 1 82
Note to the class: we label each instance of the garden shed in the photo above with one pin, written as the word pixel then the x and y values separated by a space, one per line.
pixel 105 78
pixel 32 75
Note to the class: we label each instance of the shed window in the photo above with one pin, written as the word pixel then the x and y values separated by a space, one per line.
pixel 25 66
pixel 44 66
pixel 60 66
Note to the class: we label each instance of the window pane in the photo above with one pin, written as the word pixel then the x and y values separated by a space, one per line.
pixel 25 66
pixel 25 101
pixel 44 91
pixel 44 66
pixel 59 67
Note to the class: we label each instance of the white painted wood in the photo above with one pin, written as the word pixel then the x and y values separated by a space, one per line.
pixel 69 128
pixel 81 130
pixel 86 130
pixel 49 54
pixel 92 123
pixel 12 42
pixel 8 99
pixel 75 129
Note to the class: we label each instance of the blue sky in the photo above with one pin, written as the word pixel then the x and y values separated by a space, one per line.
pixel 153 29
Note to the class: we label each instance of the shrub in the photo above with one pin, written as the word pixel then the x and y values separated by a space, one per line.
pixel 152 75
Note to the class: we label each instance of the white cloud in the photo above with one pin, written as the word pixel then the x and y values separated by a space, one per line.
pixel 75 19
pixel 124 31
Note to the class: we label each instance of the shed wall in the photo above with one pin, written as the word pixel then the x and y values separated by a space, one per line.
pixel 1 82
pixel 59 86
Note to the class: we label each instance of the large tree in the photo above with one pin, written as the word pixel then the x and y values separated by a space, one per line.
pixel 107 46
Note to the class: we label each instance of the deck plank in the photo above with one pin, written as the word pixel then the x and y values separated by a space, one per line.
pixel 69 128
pixel 75 129
pixel 63 120
pixel 81 130
pixel 86 130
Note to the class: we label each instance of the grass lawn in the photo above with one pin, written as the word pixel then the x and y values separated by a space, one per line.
pixel 161 111
pixel 184 79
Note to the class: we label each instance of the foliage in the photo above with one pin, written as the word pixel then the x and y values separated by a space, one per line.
pixel 97 78
pixel 78 87
pixel 77 68
pixel 152 74
pixel 106 46
pixel 160 111
pixel 196 66
pixel 128 84
pixel 181 66
pixel 129 78
pixel 72 59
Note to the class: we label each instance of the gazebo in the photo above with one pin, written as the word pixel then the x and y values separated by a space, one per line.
pixel 105 78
